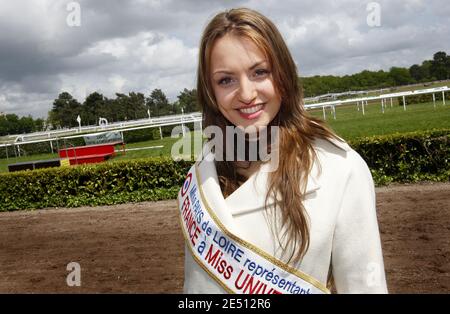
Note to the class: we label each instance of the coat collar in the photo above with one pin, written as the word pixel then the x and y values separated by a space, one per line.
pixel 250 196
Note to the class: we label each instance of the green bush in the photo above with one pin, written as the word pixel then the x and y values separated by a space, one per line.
pixel 141 135
pixel 422 98
pixel 149 134
pixel 407 157
pixel 107 183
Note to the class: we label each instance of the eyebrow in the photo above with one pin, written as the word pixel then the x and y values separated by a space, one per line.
pixel 251 68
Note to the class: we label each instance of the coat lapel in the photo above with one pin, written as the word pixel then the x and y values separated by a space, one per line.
pixel 209 184
pixel 250 196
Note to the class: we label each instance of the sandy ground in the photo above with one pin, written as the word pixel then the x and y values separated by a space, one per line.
pixel 139 247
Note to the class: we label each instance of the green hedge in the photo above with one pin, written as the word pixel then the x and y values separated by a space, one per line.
pixel 142 135
pixel 100 184
pixel 422 98
pixel 407 157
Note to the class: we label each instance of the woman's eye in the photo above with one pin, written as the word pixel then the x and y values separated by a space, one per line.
pixel 261 72
pixel 225 81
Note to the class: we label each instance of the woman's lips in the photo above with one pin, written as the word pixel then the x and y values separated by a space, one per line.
pixel 250 113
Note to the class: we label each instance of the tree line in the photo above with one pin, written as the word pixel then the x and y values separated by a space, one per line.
pixel 123 107
pixel 429 70
pixel 132 106
pixel 12 124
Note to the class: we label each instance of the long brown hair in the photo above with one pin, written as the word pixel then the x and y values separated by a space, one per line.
pixel 297 129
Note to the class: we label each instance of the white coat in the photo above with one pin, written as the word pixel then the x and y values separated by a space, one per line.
pixel 343 224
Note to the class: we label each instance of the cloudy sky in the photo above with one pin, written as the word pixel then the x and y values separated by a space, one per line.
pixel 140 45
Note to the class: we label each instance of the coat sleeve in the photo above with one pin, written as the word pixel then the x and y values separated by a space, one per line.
pixel 357 260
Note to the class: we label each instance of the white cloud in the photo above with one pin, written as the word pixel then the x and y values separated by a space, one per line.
pixel 139 45
pixel 139 63
pixel 118 82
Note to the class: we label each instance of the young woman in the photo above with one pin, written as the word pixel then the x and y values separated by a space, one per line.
pixel 297 227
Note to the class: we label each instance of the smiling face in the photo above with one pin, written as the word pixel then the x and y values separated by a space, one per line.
pixel 242 82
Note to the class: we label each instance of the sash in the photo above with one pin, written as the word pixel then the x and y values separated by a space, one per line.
pixel 238 266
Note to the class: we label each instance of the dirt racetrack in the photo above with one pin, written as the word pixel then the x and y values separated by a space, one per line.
pixel 139 247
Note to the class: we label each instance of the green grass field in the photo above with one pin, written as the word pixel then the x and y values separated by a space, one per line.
pixel 349 124
pixel 352 124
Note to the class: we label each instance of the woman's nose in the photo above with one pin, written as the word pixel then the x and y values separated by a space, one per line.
pixel 247 91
